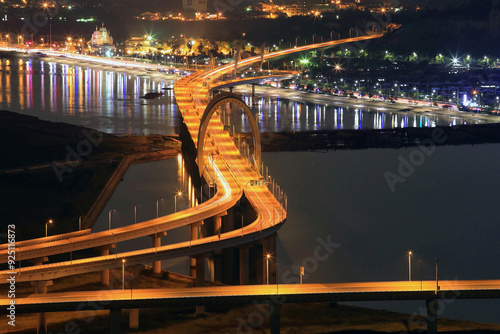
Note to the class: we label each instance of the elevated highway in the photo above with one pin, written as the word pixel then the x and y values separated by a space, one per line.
pixel 218 159
pixel 192 98
pixel 247 294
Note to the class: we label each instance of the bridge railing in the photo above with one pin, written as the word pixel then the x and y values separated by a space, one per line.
pixel 223 123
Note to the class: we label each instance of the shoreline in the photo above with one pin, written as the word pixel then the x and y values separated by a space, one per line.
pixel 75 181
pixel 309 97
pixel 144 70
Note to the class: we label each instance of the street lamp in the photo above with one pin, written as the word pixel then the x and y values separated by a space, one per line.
pixel 47 223
pixel 175 200
pixel 268 256
pixel 135 212
pixel 420 263
pixel 437 280
pixel 409 265
pixel 80 223
pixel 123 274
pixel 109 218
pixel 159 199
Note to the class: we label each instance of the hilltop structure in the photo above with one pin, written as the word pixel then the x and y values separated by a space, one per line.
pixel 101 42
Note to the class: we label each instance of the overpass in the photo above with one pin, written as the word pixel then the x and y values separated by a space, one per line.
pixel 219 159
pixel 272 295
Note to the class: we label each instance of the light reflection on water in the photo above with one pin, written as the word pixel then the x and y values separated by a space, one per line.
pixel 109 101
pixel 280 114
pixel 97 98
pixel 445 209
pixel 346 197
pixel 435 213
pixel 151 184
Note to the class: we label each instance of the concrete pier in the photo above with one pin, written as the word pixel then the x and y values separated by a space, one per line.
pixel 157 243
pixel 432 317
pixel 40 287
pixel 115 317
pixel 275 319
pixel 133 318
pixel 104 250
pixel 244 265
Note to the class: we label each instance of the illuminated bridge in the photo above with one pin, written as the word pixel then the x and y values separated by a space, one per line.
pixel 237 170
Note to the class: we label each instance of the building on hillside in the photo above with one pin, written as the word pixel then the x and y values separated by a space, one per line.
pixel 101 42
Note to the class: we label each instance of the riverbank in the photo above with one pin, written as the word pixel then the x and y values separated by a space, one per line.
pixel 129 67
pixel 365 139
pixel 424 108
pixel 57 171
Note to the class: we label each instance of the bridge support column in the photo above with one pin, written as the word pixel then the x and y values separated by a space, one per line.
pixel 200 279
pixel 193 235
pixel 244 270
pixel 217 259
pixel 200 270
pixel 217 225
pixel 253 93
pixel 157 243
pixel 275 318
pixel 133 318
pixel 211 268
pixel 231 89
pixel 40 287
pixel 217 254
pixel 432 318
pixel 115 317
pixel 104 250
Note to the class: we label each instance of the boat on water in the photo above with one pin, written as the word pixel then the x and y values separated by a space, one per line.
pixel 151 95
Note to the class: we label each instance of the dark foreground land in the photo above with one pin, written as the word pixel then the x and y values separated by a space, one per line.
pixel 57 171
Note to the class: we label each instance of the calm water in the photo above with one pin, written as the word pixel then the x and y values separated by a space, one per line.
pixel 446 209
pixel 97 98
pixel 321 112
pixel 104 99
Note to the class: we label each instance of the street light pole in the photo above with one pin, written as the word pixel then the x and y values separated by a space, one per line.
pixel 80 223
pixel 267 268
pixel 109 218
pixel 47 223
pixel 159 199
pixel 277 275
pixel 135 212
pixel 409 266
pixel 175 200
pixel 123 274
pixel 420 263
pixel 437 281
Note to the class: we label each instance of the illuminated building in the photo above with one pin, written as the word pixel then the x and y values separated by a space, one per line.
pixel 102 42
